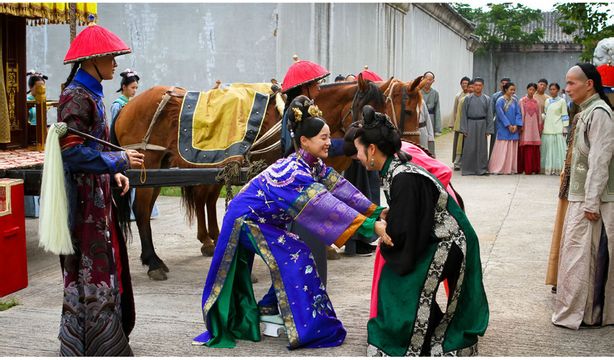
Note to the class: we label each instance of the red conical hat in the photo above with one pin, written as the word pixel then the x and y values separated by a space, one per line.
pixel 302 72
pixel 95 41
pixel 607 74
pixel 370 75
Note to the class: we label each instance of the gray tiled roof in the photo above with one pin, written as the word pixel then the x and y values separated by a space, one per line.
pixel 553 33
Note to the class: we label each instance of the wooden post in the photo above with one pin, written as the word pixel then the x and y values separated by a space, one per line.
pixel 41 116
pixel 73 20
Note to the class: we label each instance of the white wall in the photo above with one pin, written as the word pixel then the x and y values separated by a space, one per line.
pixel 193 45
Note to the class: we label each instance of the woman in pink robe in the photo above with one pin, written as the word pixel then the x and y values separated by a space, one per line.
pixel 530 133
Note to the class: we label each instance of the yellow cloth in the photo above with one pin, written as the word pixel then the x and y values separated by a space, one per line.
pixel 5 122
pixel 221 115
pixel 49 13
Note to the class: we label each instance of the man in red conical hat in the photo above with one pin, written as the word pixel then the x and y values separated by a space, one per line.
pixel 98 308
pixel 370 75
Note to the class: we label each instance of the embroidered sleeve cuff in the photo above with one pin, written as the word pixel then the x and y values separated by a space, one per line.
pixel 117 161
pixel 367 228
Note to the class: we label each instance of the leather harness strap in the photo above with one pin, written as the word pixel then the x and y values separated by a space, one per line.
pixel 144 145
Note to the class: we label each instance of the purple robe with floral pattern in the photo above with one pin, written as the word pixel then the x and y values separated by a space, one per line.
pixel 300 189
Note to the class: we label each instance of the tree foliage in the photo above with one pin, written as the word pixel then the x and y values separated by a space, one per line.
pixel 502 24
pixel 588 22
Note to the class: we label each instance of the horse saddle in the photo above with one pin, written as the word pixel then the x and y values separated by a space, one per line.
pixel 221 124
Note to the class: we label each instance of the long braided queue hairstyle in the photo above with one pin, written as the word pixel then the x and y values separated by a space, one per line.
pixel 591 72
pixel 379 130
pixel 73 71
pixel 304 119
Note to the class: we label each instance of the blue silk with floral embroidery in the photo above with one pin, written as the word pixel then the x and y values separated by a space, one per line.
pixel 301 189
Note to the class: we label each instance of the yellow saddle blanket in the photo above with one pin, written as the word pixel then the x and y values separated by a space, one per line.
pixel 221 123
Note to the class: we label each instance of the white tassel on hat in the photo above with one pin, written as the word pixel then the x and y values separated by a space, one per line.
pixel 53 232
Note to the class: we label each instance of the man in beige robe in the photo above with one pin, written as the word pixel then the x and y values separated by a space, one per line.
pixel 541 95
pixel 585 294
pixel 459 138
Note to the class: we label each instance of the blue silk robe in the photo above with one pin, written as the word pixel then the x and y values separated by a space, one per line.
pixel 302 189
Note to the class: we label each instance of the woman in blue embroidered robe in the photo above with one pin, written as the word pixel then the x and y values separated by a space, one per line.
pixel 298 188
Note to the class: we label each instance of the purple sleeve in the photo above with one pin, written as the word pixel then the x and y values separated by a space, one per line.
pixel 325 216
pixel 343 190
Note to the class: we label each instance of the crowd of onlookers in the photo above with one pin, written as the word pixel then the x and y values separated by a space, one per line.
pixel 527 133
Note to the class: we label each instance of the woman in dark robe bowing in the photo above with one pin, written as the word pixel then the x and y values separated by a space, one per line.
pixel 432 240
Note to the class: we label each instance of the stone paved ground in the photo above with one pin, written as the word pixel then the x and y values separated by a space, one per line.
pixel 513 216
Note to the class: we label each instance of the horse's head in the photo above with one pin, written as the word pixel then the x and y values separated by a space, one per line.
pixel 368 93
pixel 403 104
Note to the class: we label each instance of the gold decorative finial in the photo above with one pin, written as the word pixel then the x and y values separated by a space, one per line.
pixel 314 111
pixel 295 58
pixel 91 19
pixel 366 67
pixel 298 115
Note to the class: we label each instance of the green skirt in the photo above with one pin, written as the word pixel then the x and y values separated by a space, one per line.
pixel 553 151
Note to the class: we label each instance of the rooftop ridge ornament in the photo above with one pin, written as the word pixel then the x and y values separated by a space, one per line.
pixel 91 19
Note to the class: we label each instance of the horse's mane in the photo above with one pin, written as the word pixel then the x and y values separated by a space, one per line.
pixel 338 83
pixel 374 94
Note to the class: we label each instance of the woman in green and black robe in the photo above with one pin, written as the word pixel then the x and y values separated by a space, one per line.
pixel 432 240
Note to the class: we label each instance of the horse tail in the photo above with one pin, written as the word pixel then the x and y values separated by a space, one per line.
pixel 188 200
pixel 122 213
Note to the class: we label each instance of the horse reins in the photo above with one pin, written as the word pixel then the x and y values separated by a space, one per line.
pixel 350 111
pixel 404 97
pixel 144 144
pixel 390 91
pixel 268 135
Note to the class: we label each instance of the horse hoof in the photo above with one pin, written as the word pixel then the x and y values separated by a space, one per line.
pixel 207 249
pixel 164 267
pixel 157 275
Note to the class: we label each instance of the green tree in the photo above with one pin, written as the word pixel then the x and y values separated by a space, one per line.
pixel 501 24
pixel 588 22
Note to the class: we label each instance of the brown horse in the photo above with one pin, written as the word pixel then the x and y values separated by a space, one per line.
pixel 337 101
pixel 131 127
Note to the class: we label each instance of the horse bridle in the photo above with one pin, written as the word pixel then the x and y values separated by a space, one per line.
pixel 350 111
pixel 404 97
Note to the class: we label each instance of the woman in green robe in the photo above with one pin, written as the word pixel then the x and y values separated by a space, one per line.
pixel 432 240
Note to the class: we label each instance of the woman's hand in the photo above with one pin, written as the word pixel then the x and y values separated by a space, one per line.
pixel 135 158
pixel 123 182
pixel 380 230
pixel 384 214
